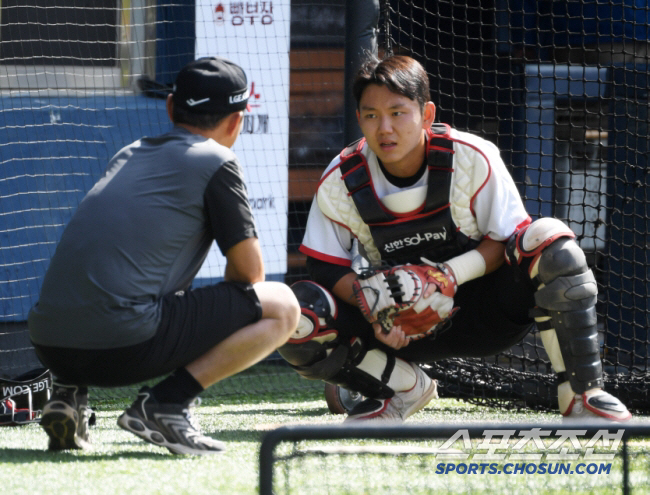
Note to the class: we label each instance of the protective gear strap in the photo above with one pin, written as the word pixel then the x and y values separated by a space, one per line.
pixel 388 370
pixel 340 367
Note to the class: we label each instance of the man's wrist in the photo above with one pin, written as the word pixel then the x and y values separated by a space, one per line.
pixel 467 266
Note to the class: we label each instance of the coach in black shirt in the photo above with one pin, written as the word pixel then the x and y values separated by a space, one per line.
pixel 115 307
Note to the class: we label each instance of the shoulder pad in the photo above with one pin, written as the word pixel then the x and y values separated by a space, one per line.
pixel 439 130
pixel 355 147
pixel 439 138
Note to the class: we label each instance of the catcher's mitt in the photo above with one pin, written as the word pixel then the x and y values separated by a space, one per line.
pixel 395 297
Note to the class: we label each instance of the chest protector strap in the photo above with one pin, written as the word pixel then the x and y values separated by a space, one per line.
pixel 386 228
pixel 355 174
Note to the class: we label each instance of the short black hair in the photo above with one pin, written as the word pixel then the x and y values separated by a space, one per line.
pixel 400 74
pixel 205 122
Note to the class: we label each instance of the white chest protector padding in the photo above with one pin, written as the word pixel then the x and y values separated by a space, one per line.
pixel 465 181
pixel 334 202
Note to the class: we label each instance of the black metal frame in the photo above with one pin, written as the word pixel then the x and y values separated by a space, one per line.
pixel 410 432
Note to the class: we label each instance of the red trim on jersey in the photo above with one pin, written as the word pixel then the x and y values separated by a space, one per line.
pixel 335 260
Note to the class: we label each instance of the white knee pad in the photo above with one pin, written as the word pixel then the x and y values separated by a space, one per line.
pixel 526 246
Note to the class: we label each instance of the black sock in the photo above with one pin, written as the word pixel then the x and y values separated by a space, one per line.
pixel 67 389
pixel 57 382
pixel 178 388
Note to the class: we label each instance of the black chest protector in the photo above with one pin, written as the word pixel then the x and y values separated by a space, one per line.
pixel 428 231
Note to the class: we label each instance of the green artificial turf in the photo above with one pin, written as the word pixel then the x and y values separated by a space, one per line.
pixel 121 463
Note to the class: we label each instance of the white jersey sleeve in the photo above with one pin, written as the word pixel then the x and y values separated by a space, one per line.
pixel 324 239
pixel 496 203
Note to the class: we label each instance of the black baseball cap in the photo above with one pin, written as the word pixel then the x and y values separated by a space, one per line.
pixel 211 85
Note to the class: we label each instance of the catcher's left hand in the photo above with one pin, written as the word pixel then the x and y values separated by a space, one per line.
pixel 401 296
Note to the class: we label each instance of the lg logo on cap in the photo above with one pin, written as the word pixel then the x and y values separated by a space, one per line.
pixel 239 98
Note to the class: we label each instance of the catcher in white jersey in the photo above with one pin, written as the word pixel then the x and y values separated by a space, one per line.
pixel 420 249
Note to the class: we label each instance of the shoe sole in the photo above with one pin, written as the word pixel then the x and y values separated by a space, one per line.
pixel 140 429
pixel 59 423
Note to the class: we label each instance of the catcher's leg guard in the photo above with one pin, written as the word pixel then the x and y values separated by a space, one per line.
pixel 317 352
pixel 566 312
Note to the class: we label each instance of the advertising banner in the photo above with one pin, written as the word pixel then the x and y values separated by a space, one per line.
pixel 255 35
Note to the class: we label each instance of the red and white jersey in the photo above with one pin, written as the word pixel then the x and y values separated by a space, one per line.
pixel 484 202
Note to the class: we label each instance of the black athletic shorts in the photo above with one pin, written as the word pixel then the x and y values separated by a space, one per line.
pixel 193 322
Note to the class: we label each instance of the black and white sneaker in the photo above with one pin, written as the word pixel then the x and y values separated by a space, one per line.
pixel 66 418
pixel 167 425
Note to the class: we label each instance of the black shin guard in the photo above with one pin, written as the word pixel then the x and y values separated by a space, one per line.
pixel 317 352
pixel 336 363
pixel 567 295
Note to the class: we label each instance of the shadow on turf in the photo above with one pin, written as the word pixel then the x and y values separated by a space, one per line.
pixel 24 456
pixel 321 411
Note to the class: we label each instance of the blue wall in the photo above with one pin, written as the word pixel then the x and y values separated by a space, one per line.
pixel 52 151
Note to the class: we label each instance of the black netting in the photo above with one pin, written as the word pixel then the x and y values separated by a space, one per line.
pixel 562 89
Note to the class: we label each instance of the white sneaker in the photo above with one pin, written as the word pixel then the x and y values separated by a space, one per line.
pixel 596 404
pixel 401 405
